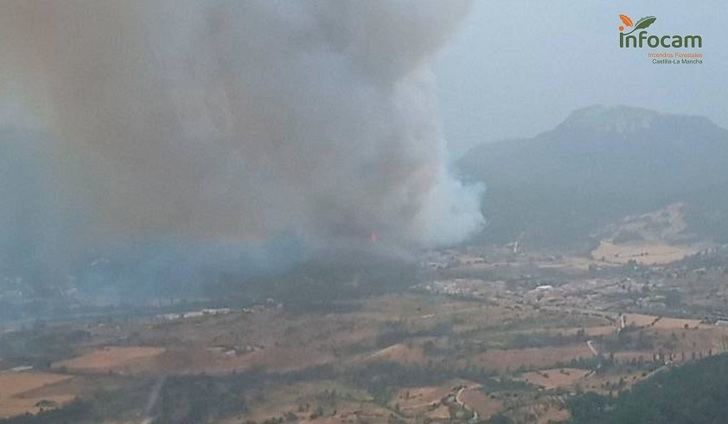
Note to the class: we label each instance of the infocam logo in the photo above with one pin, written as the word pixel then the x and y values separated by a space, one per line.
pixel 628 38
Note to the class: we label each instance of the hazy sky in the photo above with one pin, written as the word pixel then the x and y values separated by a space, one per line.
pixel 518 68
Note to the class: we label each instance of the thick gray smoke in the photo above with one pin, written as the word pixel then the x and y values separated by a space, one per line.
pixel 239 120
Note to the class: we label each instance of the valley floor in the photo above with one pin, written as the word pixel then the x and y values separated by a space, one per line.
pixel 490 335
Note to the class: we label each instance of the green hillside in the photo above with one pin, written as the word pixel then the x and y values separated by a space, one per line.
pixel 696 393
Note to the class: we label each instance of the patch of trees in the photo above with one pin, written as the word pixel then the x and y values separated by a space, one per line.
pixel 202 398
pixel 631 338
pixel 320 283
pixel 500 419
pixel 383 379
pixel 694 393
pixel 72 413
pixel 40 345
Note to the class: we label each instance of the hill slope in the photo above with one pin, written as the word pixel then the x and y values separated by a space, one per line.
pixel 694 393
pixel 602 164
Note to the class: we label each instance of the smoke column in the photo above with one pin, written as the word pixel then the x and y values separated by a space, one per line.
pixel 235 120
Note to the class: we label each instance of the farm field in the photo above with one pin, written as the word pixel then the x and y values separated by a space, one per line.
pixel 555 378
pixel 515 340
pixel 642 253
pixel 112 358
pixel 16 392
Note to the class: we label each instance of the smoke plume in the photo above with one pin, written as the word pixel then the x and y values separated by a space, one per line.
pixel 234 120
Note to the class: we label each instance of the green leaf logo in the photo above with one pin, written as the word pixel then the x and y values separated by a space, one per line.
pixel 643 23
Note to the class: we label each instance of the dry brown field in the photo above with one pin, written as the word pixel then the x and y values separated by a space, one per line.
pixel 481 403
pixel 509 360
pixel 555 378
pixel 643 253
pixel 662 323
pixel 113 358
pixel 16 392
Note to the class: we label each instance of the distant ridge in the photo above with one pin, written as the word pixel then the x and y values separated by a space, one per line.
pixel 599 165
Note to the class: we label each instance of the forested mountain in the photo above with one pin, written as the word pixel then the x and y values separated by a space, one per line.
pixel 599 165
pixel 695 393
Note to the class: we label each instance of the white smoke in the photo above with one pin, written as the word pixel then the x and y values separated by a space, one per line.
pixel 226 119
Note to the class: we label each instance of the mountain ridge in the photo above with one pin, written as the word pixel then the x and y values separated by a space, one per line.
pixel 600 164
